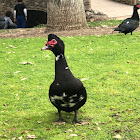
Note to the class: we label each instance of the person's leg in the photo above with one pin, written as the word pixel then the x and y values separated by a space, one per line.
pixel 23 22
pixel 2 24
pixel 18 21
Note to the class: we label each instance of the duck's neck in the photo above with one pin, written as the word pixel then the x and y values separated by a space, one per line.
pixel 135 15
pixel 62 71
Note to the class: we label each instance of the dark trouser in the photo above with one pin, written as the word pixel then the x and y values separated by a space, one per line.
pixel 21 22
pixel 2 24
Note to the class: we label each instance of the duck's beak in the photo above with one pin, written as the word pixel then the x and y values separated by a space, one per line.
pixel 47 47
pixel 44 48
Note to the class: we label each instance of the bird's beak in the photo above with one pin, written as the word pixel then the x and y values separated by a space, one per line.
pixel 44 48
pixel 47 47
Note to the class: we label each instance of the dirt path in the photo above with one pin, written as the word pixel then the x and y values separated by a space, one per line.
pixel 40 32
pixel 112 9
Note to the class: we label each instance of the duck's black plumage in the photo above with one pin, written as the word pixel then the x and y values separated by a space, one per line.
pixel 130 24
pixel 66 93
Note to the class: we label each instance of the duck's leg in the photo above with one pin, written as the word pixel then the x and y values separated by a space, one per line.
pixel 75 120
pixel 131 33
pixel 60 117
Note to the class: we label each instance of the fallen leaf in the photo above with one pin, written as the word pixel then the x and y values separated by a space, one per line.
pixel 24 79
pixel 10 52
pixel 99 128
pixel 84 79
pixel 4 136
pixel 48 129
pixel 73 135
pixel 104 26
pixel 39 122
pixel 96 123
pixel 69 130
pixel 17 72
pixel 47 56
pixel 12 46
pixel 82 123
pixel 20 138
pixel 26 63
pixel 31 136
pixel 59 123
pixel 27 131
pixel 117 136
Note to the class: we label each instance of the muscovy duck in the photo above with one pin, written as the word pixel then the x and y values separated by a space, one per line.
pixel 66 93
pixel 130 24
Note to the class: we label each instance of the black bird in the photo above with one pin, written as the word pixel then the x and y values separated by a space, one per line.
pixel 130 24
pixel 66 93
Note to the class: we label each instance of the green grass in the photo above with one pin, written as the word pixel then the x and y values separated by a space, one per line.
pixel 112 65
pixel 95 23
pixel 104 23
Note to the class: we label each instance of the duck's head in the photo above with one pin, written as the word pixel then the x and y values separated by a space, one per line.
pixel 55 44
pixel 137 6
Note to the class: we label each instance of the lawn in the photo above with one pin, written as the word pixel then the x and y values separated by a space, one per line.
pixel 109 67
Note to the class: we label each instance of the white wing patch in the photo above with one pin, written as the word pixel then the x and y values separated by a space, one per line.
pixel 64 94
pixel 68 105
pixel 81 98
pixel 127 22
pixel 55 97
pixel 71 104
pixel 63 105
pixel 73 96
pixel 57 57
pixel 71 101
pixel 57 84
pixel 66 68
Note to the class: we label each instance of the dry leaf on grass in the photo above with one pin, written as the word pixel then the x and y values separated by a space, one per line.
pixel 26 63
pixel 12 46
pixel 82 123
pixel 73 135
pixel 117 136
pixel 25 132
pixel 24 79
pixel 47 129
pixel 10 52
pixel 96 123
pixel 17 72
pixel 39 122
pixel 20 138
pixel 69 130
pixel 84 79
pixel 31 136
pixel 59 123
pixel 99 128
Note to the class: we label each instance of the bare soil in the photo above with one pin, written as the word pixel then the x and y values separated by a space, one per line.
pixel 41 32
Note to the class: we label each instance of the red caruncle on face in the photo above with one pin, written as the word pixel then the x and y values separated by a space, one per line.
pixel 51 43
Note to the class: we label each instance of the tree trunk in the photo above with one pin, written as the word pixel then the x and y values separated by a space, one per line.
pixel 65 15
